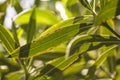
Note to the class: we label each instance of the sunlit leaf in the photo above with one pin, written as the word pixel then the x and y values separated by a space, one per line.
pixel 85 43
pixel 46 42
pixel 7 39
pixel 62 24
pixel 58 64
pixel 15 75
pixel 42 16
pixel 106 31
pixel 110 10
pixel 100 61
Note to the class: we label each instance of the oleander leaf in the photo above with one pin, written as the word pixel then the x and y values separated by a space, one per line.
pixel 42 44
pixel 7 39
pixel 57 65
pixel 42 16
pixel 110 10
pixel 31 26
pixel 86 43
pixel 86 4
pixel 100 61
pixel 62 24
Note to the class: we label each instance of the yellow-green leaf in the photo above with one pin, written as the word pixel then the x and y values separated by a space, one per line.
pixel 7 39
pixel 110 10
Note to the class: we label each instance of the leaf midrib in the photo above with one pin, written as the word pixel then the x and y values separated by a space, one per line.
pixel 49 41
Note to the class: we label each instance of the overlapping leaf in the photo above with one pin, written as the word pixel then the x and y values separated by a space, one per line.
pixel 85 43
pixel 58 64
pixel 46 42
pixel 55 35
pixel 31 26
pixel 42 16
pixel 86 4
pixel 109 11
pixel 100 61
pixel 7 39
pixel 62 24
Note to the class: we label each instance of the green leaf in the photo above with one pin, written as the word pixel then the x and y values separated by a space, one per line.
pixel 3 6
pixel 86 4
pixel 85 43
pixel 7 39
pixel 56 73
pixel 104 55
pixel 15 75
pixel 49 56
pixel 49 41
pixel 14 31
pixel 62 24
pixel 42 16
pixel 71 2
pixel 63 62
pixel 103 3
pixel 31 26
pixel 23 17
pixel 16 5
pixel 105 31
pixel 110 10
pixel 58 64
pixel 107 25
pixel 100 61
pixel 46 17
pixel 75 68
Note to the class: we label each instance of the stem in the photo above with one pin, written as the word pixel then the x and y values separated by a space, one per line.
pixel 0 76
pixel 24 68
pixel 110 29
pixel 20 61
pixel 30 63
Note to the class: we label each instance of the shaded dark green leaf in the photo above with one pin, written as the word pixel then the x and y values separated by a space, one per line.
pixel 31 26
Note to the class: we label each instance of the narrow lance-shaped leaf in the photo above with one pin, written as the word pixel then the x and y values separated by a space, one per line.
pixel 62 24
pixel 31 26
pixel 106 25
pixel 59 64
pixel 42 16
pixel 7 39
pixel 46 42
pixel 14 31
pixel 86 4
pixel 79 42
pixel 109 11
pixel 100 61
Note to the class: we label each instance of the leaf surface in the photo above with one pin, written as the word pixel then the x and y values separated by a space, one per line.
pixel 42 16
pixel 49 41
pixel 110 10
pixel 7 39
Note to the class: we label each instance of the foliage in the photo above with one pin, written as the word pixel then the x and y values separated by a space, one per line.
pixel 41 45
